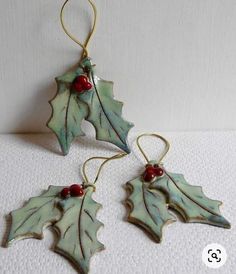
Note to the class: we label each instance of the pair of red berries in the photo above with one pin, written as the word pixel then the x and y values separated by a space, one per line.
pixel 152 172
pixel 73 191
pixel 81 84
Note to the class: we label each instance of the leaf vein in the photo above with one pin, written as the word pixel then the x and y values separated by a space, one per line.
pixel 103 109
pixel 191 199
pixel 146 206
pixel 90 216
pixel 68 228
pixel 90 238
pixel 32 215
pixel 79 227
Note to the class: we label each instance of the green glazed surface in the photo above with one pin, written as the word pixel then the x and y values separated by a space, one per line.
pixel 38 212
pixel 97 106
pixel 73 218
pixel 189 200
pixel 148 208
pixel 77 230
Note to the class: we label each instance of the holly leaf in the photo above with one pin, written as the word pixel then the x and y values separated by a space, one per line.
pixel 190 201
pixel 148 208
pixel 96 105
pixel 67 111
pixel 77 230
pixel 105 113
pixel 38 213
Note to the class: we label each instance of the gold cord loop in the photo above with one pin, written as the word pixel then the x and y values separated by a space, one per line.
pixel 72 37
pixel 167 145
pixel 106 159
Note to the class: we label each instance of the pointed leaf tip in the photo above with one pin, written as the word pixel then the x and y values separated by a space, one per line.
pixel 105 113
pixel 190 200
pixel 97 106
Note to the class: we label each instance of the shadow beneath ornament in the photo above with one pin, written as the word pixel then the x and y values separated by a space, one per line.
pixel 42 140
pixel 90 142
pixel 33 117
pixel 32 120
pixel 49 142
pixel 8 221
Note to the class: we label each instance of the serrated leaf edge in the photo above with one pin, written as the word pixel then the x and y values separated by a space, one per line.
pixel 38 236
pixel 125 144
pixel 65 254
pixel 183 214
pixel 53 112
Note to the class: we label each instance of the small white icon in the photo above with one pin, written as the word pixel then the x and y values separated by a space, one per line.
pixel 214 255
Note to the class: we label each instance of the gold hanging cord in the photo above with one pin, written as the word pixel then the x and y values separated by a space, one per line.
pixel 106 160
pixel 85 45
pixel 166 149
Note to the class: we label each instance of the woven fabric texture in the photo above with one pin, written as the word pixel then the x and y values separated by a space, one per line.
pixel 30 163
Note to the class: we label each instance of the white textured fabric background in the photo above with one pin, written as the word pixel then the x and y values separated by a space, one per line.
pixel 29 163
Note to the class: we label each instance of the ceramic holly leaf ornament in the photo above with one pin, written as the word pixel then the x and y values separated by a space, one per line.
pixel 156 192
pixel 189 200
pixel 38 213
pixel 82 95
pixel 71 212
pixel 77 230
pixel 148 208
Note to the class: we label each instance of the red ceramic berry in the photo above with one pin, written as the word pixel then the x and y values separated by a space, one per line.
pixel 149 175
pixel 75 185
pixel 87 86
pixel 159 171
pixel 76 190
pixel 81 83
pixel 150 169
pixel 65 192
pixel 82 79
pixel 78 87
